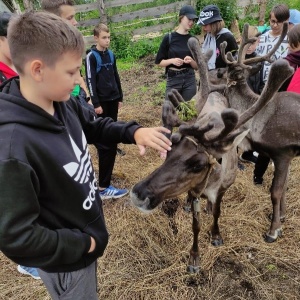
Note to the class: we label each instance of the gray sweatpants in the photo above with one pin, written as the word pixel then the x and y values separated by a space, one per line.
pixel 77 285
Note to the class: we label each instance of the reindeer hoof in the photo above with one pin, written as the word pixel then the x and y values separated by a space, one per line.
pixel 272 238
pixel 217 242
pixel 193 269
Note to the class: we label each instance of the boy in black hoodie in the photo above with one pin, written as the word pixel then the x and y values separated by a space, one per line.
pixel 50 211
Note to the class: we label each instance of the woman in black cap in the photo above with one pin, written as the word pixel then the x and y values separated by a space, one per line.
pixel 215 34
pixel 176 57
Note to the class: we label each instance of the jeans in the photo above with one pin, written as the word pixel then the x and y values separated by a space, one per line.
pixel 184 83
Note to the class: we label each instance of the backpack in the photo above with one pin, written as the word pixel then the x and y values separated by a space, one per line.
pixel 99 59
pixel 294 85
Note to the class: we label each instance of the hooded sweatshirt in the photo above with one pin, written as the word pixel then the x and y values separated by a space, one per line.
pixel 294 60
pixel 49 200
pixel 6 71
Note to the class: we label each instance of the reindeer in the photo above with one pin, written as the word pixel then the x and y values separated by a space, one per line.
pixel 192 166
pixel 274 130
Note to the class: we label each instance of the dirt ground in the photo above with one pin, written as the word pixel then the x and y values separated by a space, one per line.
pixel 147 254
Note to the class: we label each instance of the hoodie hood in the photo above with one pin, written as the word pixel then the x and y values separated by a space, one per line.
pixel 14 108
pixel 294 59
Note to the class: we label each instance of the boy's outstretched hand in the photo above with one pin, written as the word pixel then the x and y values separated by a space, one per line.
pixel 154 138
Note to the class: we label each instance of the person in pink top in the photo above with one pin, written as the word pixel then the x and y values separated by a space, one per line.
pixel 7 69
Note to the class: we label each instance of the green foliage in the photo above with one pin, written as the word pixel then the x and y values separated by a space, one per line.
pixel 187 110
pixel 124 47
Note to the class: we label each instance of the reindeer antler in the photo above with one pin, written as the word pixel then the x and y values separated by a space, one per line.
pixel 203 91
pixel 279 72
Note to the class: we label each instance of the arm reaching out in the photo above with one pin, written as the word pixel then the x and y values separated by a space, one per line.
pixel 154 138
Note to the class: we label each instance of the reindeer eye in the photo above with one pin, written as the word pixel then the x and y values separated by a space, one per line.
pixel 197 168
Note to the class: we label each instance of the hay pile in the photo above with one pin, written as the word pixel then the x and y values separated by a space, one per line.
pixel 147 254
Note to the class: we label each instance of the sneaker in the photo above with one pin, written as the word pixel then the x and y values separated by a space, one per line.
pixel 121 152
pixel 29 271
pixel 112 193
pixel 258 180
pixel 248 157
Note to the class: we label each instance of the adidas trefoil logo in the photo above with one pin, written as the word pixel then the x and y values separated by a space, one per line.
pixel 81 170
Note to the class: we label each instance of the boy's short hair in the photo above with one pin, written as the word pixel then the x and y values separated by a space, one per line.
pixel 100 27
pixel 54 6
pixel 281 12
pixel 294 36
pixel 4 19
pixel 41 35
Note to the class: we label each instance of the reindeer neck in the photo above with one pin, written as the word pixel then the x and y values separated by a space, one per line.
pixel 240 95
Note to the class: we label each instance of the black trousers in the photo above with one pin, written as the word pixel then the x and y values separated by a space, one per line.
pixel 107 152
pixel 261 165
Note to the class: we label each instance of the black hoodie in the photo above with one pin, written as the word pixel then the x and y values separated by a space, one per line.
pixel 49 200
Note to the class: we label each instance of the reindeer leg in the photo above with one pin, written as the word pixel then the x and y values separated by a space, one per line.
pixel 215 236
pixel 278 190
pixel 194 259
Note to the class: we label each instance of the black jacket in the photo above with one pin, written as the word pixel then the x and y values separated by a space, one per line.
pixel 49 200
pixel 105 85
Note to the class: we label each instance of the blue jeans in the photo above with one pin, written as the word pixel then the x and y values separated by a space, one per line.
pixel 184 83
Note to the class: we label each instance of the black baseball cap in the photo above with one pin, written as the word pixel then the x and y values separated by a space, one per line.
pixel 4 19
pixel 188 11
pixel 209 14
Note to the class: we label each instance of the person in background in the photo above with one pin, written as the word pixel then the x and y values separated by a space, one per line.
pixel 7 69
pixel 176 57
pixel 215 33
pixel 294 18
pixel 279 14
pixel 294 58
pixel 107 96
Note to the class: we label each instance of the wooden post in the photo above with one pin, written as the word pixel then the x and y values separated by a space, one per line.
pixel 102 12
pixel 262 12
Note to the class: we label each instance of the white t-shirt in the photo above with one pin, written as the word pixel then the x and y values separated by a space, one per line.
pixel 266 44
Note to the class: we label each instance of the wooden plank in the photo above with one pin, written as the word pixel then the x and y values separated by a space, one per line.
pixel 107 4
pixel 86 7
pixel 89 40
pixel 149 12
pixel 155 28
pixel 116 3
pixel 90 22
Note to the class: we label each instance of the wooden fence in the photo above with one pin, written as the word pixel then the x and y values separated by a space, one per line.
pixel 164 15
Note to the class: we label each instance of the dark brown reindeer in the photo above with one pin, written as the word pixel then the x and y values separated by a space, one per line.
pixel 274 130
pixel 192 164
